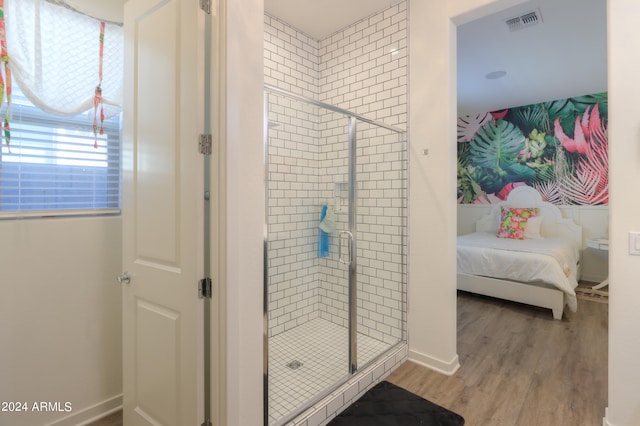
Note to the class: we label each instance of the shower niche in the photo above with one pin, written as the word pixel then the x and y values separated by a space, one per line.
pixel 335 242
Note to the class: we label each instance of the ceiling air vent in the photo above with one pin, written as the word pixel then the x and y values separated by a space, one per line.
pixel 523 21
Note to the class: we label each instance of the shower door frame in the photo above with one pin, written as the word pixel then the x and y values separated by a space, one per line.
pixel 353 119
pixel 353 258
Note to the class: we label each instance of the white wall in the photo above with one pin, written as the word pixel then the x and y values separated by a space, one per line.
pixel 624 178
pixel 60 317
pixel 245 209
pixel 60 307
pixel 432 227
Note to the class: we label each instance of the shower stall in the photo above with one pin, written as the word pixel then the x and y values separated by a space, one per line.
pixel 335 248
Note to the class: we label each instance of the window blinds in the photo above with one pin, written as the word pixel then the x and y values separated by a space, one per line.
pixel 52 164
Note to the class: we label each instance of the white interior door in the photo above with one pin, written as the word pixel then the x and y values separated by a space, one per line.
pixel 162 211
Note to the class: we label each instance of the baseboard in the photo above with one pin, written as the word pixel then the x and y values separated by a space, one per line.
pixel 91 413
pixel 445 367
pixel 605 420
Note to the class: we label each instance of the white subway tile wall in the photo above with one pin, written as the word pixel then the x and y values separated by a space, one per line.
pixel 291 59
pixel 292 214
pixel 363 69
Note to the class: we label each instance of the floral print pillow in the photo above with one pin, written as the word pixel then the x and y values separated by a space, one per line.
pixel 513 221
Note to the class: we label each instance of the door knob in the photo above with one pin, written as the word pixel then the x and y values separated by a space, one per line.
pixel 125 278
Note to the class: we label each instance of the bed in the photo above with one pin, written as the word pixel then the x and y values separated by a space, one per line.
pixel 540 270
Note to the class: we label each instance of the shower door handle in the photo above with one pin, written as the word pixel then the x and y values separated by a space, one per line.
pixel 349 245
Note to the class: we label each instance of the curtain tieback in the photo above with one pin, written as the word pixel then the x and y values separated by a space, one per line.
pixel 97 98
pixel 5 87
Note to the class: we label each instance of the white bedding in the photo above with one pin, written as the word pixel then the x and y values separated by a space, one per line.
pixel 549 260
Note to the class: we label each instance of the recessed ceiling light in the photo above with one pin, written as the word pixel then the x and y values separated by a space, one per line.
pixel 495 74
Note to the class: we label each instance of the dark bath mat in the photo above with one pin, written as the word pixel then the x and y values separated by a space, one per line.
pixel 389 405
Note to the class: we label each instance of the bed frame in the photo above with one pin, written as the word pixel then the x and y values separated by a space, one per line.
pixel 553 224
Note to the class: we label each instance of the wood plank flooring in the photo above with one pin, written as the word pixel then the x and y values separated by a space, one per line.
pixel 520 367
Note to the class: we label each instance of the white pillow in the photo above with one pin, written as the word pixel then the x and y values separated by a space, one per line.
pixel 532 228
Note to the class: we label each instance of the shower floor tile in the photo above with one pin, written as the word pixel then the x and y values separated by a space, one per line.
pixel 308 359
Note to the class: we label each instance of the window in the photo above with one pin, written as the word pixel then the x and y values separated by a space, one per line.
pixel 51 163
pixel 57 57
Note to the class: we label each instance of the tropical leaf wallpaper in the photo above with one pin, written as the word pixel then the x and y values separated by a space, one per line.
pixel 558 147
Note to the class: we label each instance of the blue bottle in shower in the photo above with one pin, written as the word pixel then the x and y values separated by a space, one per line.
pixel 323 237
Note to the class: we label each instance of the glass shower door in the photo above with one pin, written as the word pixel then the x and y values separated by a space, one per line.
pixel 380 205
pixel 334 248
pixel 306 285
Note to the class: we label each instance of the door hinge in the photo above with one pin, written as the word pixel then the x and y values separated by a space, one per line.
pixel 205 288
pixel 205 144
pixel 207 423
pixel 206 6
